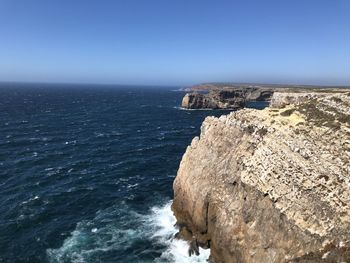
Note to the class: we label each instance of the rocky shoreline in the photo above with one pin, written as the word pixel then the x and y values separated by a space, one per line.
pixel 232 98
pixel 270 185
pixel 209 96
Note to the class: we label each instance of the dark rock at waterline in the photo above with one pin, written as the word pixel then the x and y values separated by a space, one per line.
pixel 193 247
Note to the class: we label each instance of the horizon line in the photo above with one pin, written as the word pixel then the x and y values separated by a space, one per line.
pixel 169 85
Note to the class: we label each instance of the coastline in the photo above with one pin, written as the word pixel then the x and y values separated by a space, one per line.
pixel 246 172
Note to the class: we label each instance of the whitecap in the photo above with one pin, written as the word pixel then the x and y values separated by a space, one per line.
pixel 98 134
pixel 30 199
pixel 132 185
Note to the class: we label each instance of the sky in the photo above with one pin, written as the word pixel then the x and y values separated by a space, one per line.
pixel 178 42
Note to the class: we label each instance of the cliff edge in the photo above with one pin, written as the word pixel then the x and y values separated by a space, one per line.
pixel 270 185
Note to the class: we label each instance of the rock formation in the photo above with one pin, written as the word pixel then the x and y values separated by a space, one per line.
pixel 230 98
pixel 270 185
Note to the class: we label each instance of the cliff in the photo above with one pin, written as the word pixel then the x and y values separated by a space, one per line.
pixel 230 98
pixel 270 185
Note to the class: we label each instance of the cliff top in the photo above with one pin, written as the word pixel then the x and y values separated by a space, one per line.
pixel 280 87
pixel 307 137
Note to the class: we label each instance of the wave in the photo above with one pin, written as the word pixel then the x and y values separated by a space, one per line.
pixel 176 250
pixel 123 235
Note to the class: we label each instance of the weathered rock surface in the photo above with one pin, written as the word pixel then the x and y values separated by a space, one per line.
pixel 270 185
pixel 232 98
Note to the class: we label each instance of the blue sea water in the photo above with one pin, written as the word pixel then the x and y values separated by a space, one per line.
pixel 86 172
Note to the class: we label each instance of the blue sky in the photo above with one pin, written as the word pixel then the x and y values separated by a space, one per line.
pixel 177 42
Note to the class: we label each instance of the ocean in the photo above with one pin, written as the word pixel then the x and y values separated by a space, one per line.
pixel 86 172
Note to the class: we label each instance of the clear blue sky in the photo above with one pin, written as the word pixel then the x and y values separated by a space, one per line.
pixel 175 42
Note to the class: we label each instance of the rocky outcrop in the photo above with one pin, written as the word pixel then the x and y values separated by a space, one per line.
pixel 270 185
pixel 213 100
pixel 232 98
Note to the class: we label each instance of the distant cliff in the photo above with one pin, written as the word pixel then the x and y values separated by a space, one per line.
pixel 270 185
pixel 231 98
pixel 235 96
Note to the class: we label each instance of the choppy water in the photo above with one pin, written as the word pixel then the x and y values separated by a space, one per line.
pixel 86 173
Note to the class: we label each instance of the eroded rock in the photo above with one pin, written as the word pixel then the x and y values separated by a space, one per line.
pixel 232 98
pixel 271 185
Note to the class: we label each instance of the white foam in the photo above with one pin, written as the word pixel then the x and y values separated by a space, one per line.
pixel 163 221
pixel 158 227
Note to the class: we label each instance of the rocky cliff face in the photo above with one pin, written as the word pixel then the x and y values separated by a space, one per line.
pixel 270 185
pixel 232 98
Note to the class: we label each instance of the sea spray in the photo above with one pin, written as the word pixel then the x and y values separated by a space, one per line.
pixel 163 221
pixel 95 240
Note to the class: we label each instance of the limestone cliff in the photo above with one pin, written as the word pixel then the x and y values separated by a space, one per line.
pixel 270 185
pixel 229 98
